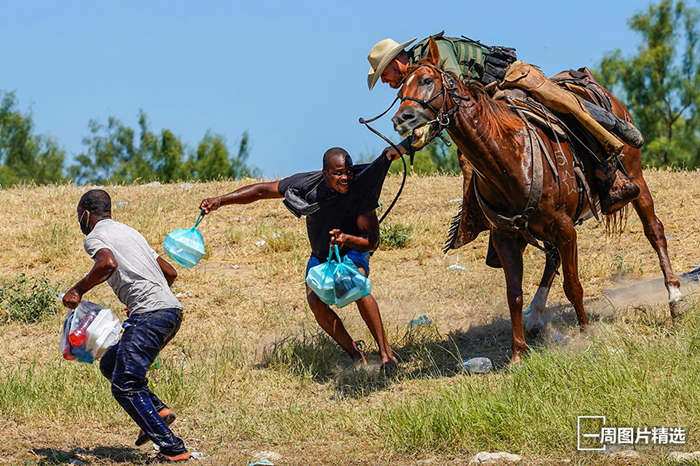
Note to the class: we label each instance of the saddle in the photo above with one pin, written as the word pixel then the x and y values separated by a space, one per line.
pixel 469 220
pixel 582 83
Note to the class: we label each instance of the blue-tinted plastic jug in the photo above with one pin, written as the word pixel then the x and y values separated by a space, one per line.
pixel 320 280
pixel 186 247
pixel 338 282
pixel 349 283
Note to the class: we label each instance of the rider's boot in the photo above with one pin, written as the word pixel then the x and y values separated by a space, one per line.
pixel 623 129
pixel 614 188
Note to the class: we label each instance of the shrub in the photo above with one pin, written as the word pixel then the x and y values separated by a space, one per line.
pixel 27 299
pixel 394 235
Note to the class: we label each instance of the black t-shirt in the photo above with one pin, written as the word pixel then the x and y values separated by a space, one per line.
pixel 337 210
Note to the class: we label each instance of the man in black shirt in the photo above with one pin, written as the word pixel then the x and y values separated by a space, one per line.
pixel 339 203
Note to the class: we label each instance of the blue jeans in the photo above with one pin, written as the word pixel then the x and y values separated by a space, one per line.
pixel 361 259
pixel 125 365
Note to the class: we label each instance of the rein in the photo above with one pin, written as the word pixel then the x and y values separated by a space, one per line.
pixel 411 153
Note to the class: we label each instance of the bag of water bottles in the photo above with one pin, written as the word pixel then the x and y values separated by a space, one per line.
pixel 88 331
pixel 338 282
pixel 186 247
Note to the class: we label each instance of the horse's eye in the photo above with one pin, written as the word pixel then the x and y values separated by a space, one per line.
pixel 427 81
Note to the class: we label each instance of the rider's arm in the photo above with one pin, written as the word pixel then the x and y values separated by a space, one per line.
pixel 244 195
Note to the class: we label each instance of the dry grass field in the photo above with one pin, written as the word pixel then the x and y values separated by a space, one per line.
pixel 249 372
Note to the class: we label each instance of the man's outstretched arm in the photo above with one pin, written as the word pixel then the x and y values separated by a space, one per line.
pixel 105 265
pixel 244 195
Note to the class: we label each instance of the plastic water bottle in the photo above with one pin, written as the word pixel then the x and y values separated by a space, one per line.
pixel 420 321
pixel 477 365
pixel 78 336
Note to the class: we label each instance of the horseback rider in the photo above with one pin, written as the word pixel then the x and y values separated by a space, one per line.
pixel 498 67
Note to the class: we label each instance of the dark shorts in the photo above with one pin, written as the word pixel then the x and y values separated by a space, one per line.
pixel 361 259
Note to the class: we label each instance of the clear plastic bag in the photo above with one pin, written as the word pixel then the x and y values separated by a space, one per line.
pixel 186 247
pixel 88 331
pixel 338 282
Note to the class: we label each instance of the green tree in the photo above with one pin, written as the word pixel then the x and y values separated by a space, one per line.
pixel 116 153
pixel 113 156
pixel 661 83
pixel 239 163
pixel 26 157
pixel 212 161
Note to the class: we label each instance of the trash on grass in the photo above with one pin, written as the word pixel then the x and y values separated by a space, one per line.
pixel 420 321
pixel 262 462
pixel 479 365
pixel 456 267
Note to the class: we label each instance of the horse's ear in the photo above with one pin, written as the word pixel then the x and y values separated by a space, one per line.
pixel 433 51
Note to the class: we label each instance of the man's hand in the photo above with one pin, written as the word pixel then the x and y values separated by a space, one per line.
pixel 209 204
pixel 72 298
pixel 391 154
pixel 403 147
pixel 338 237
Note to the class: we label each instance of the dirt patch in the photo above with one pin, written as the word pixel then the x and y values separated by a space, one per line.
pixel 649 292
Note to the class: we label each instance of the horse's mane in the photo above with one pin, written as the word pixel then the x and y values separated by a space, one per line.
pixel 495 117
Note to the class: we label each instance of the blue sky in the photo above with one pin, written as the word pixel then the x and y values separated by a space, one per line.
pixel 293 74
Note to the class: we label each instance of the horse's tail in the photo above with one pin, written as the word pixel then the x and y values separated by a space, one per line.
pixel 616 222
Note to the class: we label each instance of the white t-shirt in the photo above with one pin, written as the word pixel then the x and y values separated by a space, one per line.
pixel 138 281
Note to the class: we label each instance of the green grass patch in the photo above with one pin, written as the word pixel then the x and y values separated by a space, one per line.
pixel 394 235
pixel 634 377
pixel 27 299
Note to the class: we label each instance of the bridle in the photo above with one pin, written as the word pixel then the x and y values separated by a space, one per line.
pixel 448 92
pixel 442 118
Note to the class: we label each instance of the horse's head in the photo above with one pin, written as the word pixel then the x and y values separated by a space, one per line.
pixel 426 105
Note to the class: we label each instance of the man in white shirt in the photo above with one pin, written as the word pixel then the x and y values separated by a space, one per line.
pixel 141 279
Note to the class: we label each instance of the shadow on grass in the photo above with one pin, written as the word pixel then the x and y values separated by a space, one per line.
pixel 422 352
pixel 80 455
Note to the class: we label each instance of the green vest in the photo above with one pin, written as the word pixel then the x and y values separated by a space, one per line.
pixel 468 59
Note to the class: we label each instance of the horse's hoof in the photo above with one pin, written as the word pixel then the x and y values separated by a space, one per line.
pixel 678 307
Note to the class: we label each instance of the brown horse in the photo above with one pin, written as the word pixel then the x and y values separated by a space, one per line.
pixel 506 156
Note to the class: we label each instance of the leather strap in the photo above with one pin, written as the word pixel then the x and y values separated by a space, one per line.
pixel 520 221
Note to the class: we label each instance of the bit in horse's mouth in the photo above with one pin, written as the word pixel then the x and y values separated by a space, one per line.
pixel 421 135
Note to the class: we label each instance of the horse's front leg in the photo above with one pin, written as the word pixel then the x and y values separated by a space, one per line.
pixel 510 247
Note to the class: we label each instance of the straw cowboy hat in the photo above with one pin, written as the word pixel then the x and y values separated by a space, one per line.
pixel 380 56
